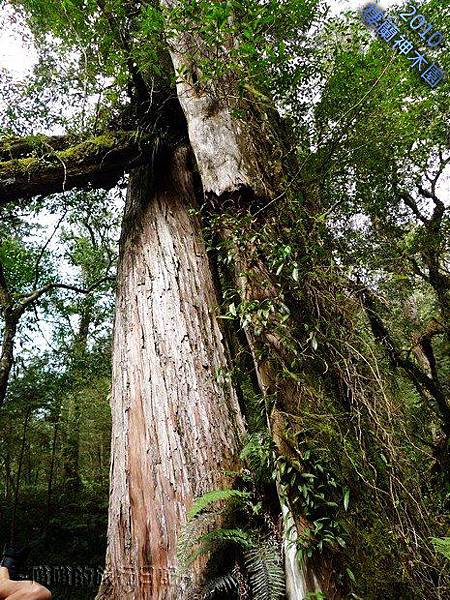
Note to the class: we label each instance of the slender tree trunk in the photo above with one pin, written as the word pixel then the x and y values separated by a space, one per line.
pixel 18 478
pixel 175 429
pixel 51 474
pixel 72 437
pixel 8 475
pixel 7 350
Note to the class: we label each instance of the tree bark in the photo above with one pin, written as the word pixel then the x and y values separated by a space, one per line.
pixel 175 429
pixel 7 350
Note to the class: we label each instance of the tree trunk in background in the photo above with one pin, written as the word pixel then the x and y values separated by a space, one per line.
pixel 71 464
pixel 51 475
pixel 12 537
pixel 175 429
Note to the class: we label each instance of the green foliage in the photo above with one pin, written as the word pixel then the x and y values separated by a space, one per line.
pixel 19 259
pixel 205 501
pixel 195 541
pixel 314 493
pixel 256 36
pixel 442 545
pixel 55 493
pixel 258 455
pixel 265 572
pixel 210 540
pixel 223 584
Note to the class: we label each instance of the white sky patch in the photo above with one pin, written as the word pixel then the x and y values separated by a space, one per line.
pixel 17 52
pixel 14 56
pixel 356 4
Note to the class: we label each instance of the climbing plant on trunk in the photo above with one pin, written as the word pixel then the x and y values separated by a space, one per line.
pixel 213 163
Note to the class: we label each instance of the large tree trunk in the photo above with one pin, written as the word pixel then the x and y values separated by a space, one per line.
pixel 232 157
pixel 175 429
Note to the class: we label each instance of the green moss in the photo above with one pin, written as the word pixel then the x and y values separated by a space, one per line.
pixel 378 561
pixel 18 166
pixel 74 154
pixel 92 146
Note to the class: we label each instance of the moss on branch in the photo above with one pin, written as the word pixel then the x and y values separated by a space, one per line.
pixel 42 165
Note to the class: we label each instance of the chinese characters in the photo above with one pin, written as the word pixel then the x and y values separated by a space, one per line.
pixel 386 28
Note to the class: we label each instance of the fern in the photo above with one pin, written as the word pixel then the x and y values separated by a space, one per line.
pixel 219 585
pixel 200 504
pixel 212 540
pixel 255 405
pixel 258 456
pixel 194 542
pixel 442 545
pixel 189 538
pixel 237 536
pixel 265 572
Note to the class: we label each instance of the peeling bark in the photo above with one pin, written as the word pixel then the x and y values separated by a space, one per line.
pixel 175 429
pixel 226 148
pixel 298 581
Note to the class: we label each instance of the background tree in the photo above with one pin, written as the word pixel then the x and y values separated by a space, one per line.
pixel 56 462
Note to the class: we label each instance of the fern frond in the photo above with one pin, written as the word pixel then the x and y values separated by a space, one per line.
pixel 255 405
pixel 200 504
pixel 191 548
pixel 265 572
pixel 189 538
pixel 442 545
pixel 257 454
pixel 239 537
pixel 219 585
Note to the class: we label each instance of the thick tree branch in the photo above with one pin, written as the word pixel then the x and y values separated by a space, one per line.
pixel 99 162
pixel 12 147
pixel 442 166
pixel 5 295
pixel 412 204
pixel 439 205
pixel 431 250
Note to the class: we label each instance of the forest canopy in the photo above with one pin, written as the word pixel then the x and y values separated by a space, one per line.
pixel 225 297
